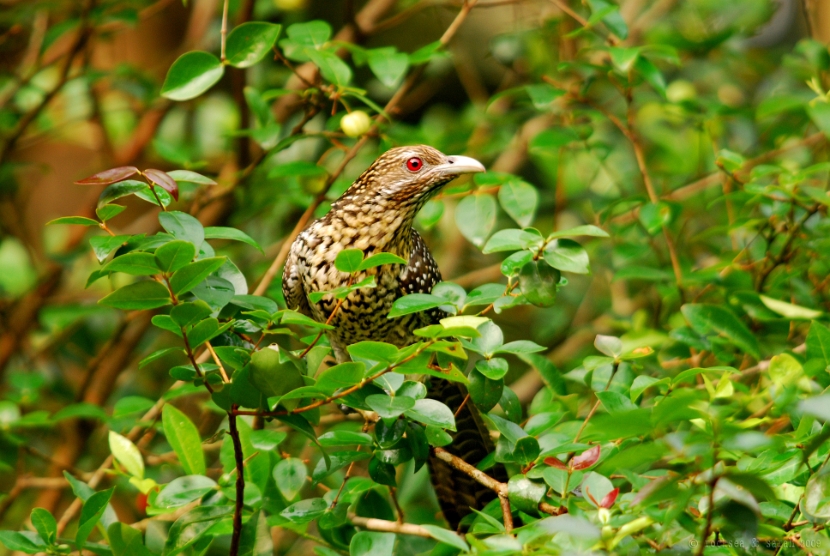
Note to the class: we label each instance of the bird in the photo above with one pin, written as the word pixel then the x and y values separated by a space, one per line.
pixel 376 214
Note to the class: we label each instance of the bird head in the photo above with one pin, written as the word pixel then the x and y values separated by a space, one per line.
pixel 409 176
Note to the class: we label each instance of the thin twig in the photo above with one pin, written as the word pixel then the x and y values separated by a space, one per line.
pixel 240 482
pixel 373 524
pixel 224 28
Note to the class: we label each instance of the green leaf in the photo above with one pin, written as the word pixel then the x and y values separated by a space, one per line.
pixel 25 541
pixel 526 451
pixel 174 255
pixel 610 17
pixel 107 212
pixel 819 112
pixel 249 42
pixel 494 368
pixel 290 476
pixel 189 276
pixel 192 74
pixel 519 199
pixel 567 255
pixel 183 226
pixel 127 454
pixel 146 294
pixel 82 220
pixel 388 65
pixel 343 438
pixel 332 68
pixel 183 437
pixel 447 537
pixel 817 406
pixel 587 230
pixel 367 543
pixel 130 187
pixel 348 260
pixel 415 303
pixel 790 310
pixel 190 177
pixel 432 412
pixel 185 314
pixel 192 526
pixel 305 510
pixel 818 343
pixel 379 259
pixel 484 391
pixel 649 72
pixel 312 33
pixel 272 377
pixel 135 263
pixel 475 217
pixel 340 376
pixel 205 331
pixel 91 513
pixel 103 246
pixel 538 281
pixel 654 216
pixel 256 536
pixel 184 490
pixel 44 523
pixel 221 232
pixel 713 319
pixel 389 407
pixel 552 139
pixel 525 494
pixel 126 541
pixel 338 460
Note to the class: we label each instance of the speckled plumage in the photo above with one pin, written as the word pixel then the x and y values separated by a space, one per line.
pixel 375 215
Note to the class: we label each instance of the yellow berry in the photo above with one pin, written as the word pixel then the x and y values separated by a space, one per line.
pixel 355 123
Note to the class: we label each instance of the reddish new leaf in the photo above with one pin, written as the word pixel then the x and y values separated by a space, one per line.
pixel 609 499
pixel 586 459
pixel 163 180
pixel 110 176
pixel 555 462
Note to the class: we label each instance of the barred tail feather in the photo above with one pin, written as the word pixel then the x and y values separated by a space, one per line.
pixel 457 492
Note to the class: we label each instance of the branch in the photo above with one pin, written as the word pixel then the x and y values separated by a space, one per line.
pixel 240 483
pixel 486 480
pixel 373 524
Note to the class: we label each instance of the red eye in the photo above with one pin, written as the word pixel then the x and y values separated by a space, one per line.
pixel 414 164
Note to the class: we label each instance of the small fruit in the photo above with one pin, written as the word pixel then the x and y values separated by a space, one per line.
pixel 355 123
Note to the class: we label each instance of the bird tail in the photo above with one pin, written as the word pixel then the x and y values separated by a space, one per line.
pixel 457 492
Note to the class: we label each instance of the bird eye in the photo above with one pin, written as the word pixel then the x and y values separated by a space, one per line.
pixel 414 164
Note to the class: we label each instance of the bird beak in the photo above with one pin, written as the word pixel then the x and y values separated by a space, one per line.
pixel 457 165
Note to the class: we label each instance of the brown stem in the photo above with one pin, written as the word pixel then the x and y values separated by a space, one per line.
pixel 486 480
pixel 373 524
pixel 507 514
pixel 224 32
pixel 240 482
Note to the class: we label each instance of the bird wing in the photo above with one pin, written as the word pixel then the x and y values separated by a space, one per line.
pixel 421 275
pixel 457 492
pixel 292 282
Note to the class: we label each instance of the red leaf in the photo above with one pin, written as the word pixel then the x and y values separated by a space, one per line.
pixel 586 459
pixel 555 462
pixel 163 180
pixel 107 177
pixel 609 499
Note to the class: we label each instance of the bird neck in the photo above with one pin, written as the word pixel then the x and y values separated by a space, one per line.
pixel 378 224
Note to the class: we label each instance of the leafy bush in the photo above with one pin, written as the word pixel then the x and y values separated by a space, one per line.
pixel 637 298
